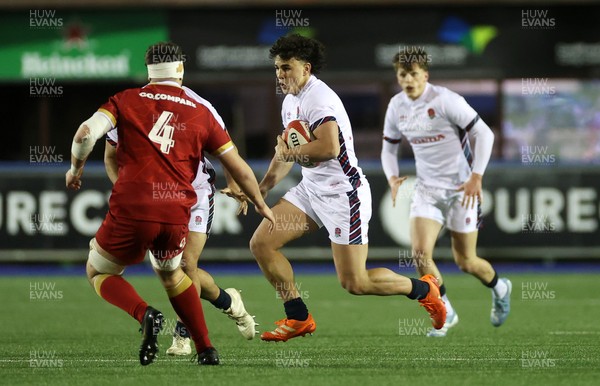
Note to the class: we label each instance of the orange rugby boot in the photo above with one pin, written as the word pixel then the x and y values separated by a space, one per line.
pixel 290 328
pixel 280 322
pixel 433 302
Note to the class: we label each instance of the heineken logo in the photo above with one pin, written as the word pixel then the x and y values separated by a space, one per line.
pixel 89 65
pixel 69 44
pixel 75 59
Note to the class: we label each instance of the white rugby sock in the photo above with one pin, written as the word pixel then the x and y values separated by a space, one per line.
pixel 500 289
pixel 449 309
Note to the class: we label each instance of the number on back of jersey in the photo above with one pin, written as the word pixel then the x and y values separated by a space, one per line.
pixel 162 132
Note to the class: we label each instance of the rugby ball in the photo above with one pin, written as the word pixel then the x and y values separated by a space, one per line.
pixel 297 133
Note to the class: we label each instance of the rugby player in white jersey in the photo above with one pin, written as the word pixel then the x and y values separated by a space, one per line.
pixel 228 300
pixel 439 125
pixel 334 194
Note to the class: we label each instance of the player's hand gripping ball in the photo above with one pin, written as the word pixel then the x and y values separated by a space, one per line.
pixel 297 133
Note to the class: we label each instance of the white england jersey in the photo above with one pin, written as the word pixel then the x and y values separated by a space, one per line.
pixel 316 104
pixel 205 176
pixel 436 126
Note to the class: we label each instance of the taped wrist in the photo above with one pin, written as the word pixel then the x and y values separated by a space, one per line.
pixel 75 171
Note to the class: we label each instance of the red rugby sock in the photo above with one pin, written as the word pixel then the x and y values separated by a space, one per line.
pixel 186 303
pixel 118 292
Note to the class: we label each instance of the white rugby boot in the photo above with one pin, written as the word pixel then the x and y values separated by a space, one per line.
pixel 237 312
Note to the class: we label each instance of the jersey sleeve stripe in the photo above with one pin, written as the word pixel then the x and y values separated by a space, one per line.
pixel 211 212
pixel 479 216
pixel 223 149
pixel 349 170
pixel 319 122
pixel 355 231
pixel 462 136
pixel 392 140
pixel 109 115
pixel 472 123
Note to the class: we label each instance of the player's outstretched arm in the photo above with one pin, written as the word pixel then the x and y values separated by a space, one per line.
pixel 83 143
pixel 389 161
pixel 110 162
pixel 278 168
pixel 234 191
pixel 244 176
pixel 483 138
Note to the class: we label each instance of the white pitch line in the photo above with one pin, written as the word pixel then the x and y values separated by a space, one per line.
pixel 574 332
pixel 267 360
pixel 87 360
pixel 253 360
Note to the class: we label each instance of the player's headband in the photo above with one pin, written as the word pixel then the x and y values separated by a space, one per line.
pixel 165 70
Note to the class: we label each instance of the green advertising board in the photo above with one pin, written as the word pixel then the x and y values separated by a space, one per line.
pixel 78 45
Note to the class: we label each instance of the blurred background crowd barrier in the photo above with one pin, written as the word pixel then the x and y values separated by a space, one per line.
pixel 532 72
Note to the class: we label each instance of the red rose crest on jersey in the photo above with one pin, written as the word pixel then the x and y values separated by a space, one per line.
pixel 338 232
pixel 468 220
pixel 198 220
pixel 431 113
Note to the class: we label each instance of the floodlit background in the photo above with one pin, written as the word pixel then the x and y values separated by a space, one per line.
pixel 532 71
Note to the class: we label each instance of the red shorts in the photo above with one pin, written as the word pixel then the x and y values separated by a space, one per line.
pixel 128 240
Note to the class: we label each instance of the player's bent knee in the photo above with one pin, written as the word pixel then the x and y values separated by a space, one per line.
pixel 99 268
pixel 170 279
pixel 259 247
pixel 353 286
pixel 189 269
pixel 253 244
pixel 465 264
pixel 189 265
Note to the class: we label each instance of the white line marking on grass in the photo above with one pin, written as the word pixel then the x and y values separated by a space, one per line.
pixel 242 361
pixel 253 360
pixel 92 360
pixel 574 332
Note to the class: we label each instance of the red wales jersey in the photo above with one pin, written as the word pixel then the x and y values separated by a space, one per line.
pixel 163 129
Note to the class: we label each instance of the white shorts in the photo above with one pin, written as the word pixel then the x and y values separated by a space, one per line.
pixel 201 214
pixel 444 206
pixel 345 215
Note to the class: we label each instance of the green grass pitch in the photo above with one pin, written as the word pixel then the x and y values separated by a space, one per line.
pixel 63 334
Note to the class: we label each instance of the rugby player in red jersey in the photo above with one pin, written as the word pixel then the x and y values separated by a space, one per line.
pixel 162 133
pixel 228 300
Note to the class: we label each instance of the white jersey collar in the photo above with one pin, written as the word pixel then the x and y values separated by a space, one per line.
pixel 165 83
pixel 421 98
pixel 308 84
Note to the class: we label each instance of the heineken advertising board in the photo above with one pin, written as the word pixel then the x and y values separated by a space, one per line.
pixel 77 45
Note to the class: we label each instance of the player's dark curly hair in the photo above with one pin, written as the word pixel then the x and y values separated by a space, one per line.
pixel 164 52
pixel 300 48
pixel 407 56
